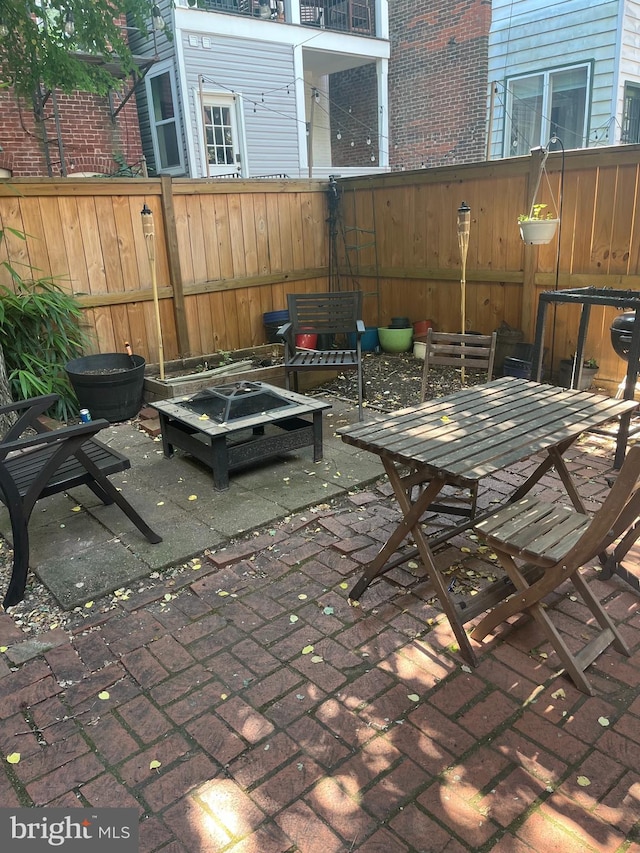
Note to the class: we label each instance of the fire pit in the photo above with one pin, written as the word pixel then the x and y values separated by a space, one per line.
pixel 621 332
pixel 240 400
pixel 231 426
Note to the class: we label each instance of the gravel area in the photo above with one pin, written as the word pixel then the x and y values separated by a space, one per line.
pixel 393 381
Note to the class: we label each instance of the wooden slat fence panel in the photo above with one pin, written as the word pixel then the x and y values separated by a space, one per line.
pixel 236 248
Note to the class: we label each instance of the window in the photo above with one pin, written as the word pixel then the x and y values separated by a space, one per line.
pixel 544 104
pixel 165 131
pixel 219 117
pixel 631 113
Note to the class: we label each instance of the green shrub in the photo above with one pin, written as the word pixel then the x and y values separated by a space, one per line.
pixel 40 332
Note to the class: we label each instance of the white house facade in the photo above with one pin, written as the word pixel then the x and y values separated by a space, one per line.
pixel 256 88
pixel 567 69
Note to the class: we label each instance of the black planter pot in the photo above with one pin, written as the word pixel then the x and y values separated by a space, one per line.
pixel 110 385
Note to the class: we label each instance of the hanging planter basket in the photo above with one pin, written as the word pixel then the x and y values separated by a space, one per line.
pixel 535 232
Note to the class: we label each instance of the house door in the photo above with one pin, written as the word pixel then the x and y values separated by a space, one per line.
pixel 221 135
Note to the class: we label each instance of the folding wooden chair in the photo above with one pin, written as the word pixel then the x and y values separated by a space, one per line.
pixel 473 352
pixel 554 542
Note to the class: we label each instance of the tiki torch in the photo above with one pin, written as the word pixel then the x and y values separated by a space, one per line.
pixel 464 226
pixel 150 240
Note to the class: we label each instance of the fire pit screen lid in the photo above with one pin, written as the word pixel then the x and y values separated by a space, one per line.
pixel 239 400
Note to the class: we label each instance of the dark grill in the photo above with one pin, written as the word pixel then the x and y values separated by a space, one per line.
pixel 234 402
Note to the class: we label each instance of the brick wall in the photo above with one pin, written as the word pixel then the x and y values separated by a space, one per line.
pixel 438 81
pixel 354 115
pixel 90 140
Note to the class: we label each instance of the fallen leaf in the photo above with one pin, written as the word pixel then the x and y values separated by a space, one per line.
pixel 193 497
pixel 222 593
pixel 293 618
pixel 203 417
pixel 413 697
pixel 160 503
pixel 317 659
pixel 328 611
pixel 559 694
pixel 583 781
pixel 445 419
pixel 344 585
pixel 303 596
pixel 76 509
pixel 153 765
pixel 603 721
pixel 89 604
pixel 3 649
pixel 307 650
pixel 104 694
pixel 13 758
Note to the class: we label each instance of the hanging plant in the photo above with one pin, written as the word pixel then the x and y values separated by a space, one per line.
pixel 538 227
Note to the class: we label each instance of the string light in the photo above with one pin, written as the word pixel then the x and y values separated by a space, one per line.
pixel 338 135
pixel 368 140
pixel 157 20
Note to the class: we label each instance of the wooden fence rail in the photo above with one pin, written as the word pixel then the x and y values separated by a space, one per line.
pixel 227 252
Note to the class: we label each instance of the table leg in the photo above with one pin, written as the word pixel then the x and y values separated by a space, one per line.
pixel 167 448
pixel 219 462
pixel 412 516
pixel 317 436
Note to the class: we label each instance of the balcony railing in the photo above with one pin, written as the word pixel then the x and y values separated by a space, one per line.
pixel 347 16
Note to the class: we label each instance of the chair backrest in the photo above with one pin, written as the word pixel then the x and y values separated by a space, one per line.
pixel 325 313
pixel 475 352
pixel 619 511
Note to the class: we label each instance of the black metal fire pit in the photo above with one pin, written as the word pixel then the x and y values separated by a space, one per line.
pixel 239 400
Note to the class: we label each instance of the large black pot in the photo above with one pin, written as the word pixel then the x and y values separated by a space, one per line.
pixel 621 331
pixel 109 384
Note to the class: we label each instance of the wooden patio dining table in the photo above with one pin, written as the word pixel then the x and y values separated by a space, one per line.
pixel 460 439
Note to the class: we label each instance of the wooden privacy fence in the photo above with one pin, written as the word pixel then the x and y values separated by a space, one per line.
pixel 226 253
pixel 229 251
pixel 398 235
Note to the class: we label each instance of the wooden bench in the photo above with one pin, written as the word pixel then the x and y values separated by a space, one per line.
pixel 48 461
pixel 324 314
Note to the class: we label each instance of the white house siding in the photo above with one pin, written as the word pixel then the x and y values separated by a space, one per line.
pixel 529 36
pixel 262 72
pixel 629 52
pixel 162 49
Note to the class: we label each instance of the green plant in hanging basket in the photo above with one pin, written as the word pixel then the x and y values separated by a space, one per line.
pixel 538 226
pixel 537 214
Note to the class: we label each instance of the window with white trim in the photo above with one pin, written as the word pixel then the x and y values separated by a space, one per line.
pixel 163 115
pixel 549 103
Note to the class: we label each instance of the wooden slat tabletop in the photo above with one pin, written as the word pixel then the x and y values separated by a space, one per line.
pixel 485 428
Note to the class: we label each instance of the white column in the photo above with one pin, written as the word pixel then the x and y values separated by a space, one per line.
pixel 382 77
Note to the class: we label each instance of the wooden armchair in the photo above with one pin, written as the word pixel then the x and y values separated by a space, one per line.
pixel 34 466
pixel 554 542
pixel 324 314
pixel 474 352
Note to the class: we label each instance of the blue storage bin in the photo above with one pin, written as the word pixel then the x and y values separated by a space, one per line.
pixel 368 342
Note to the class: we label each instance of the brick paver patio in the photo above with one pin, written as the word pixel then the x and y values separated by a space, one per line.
pixel 285 720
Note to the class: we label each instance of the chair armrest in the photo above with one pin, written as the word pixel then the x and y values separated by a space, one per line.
pixel 360 328
pixel 21 445
pixel 34 407
pixel 285 333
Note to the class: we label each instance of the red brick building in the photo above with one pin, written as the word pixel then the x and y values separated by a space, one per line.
pixel 80 133
pixel 438 74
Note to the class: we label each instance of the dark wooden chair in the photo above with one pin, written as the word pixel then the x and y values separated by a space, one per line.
pixel 553 542
pixel 48 461
pixel 473 352
pixel 324 314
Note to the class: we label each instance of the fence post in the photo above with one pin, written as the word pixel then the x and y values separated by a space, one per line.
pixel 173 259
